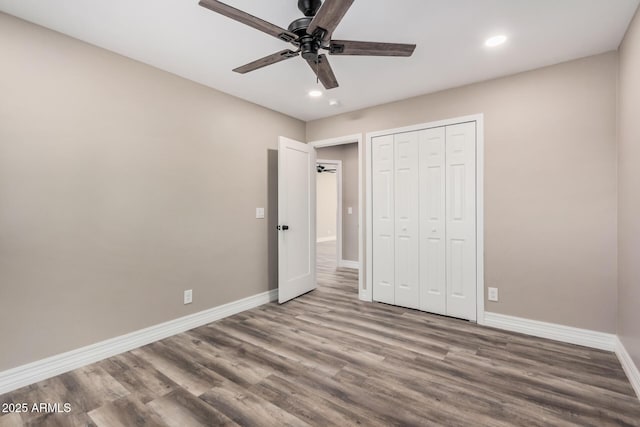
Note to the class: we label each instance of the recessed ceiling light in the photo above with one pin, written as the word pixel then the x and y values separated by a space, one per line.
pixel 495 40
pixel 315 93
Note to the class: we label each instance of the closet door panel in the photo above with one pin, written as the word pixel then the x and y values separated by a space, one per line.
pixel 383 219
pixel 433 294
pixel 461 220
pixel 407 221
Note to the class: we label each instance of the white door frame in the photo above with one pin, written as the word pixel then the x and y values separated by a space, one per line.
pixel 366 294
pixel 350 139
pixel 338 165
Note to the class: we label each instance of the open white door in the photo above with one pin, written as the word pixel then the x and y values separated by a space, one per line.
pixel 296 219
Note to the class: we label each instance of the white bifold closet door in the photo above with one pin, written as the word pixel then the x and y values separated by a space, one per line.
pixel 424 220
pixel 433 289
pixel 383 219
pixel 407 220
pixel 396 219
pixel 461 220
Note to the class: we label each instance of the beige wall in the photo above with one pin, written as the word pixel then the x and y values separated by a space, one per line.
pixel 326 205
pixel 348 154
pixel 120 187
pixel 550 184
pixel 629 192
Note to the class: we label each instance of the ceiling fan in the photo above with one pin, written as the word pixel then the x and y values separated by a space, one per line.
pixel 323 168
pixel 310 35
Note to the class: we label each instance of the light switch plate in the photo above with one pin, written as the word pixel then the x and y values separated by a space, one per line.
pixel 260 213
pixel 350 210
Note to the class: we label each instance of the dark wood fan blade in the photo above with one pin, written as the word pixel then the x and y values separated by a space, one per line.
pixel 247 19
pixel 349 47
pixel 329 16
pixel 323 70
pixel 267 60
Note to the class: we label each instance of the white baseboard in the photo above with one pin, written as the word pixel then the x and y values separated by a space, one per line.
pixel 365 296
pixel 629 367
pixel 568 334
pixel 55 365
pixel 326 239
pixel 344 263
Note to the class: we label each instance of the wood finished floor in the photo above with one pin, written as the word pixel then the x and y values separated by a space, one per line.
pixel 328 359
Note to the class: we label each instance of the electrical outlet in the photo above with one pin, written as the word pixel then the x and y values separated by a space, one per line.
pixel 493 294
pixel 188 296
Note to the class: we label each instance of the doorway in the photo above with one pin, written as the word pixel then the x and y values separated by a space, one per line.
pixel 328 213
pixel 338 212
pixel 296 225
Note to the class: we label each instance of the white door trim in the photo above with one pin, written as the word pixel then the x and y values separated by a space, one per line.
pixel 366 293
pixel 350 139
pixel 338 239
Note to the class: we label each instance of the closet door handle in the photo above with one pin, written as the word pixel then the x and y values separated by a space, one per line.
pixel 283 227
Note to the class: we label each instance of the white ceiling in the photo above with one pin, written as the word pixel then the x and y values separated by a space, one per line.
pixel 180 37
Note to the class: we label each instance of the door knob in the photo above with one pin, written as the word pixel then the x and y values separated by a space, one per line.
pixel 283 227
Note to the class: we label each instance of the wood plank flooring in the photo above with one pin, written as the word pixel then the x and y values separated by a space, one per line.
pixel 328 359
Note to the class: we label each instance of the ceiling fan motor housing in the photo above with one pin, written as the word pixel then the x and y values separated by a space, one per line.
pixel 309 44
pixel 300 25
pixel 309 47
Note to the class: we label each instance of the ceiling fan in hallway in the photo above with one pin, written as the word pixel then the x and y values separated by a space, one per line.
pixel 323 169
pixel 310 35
